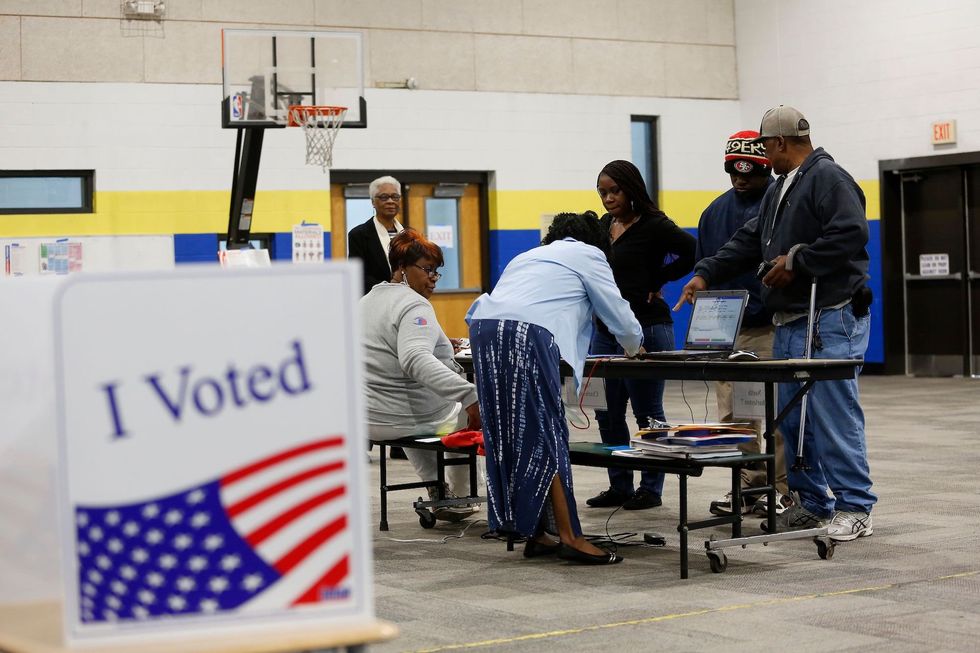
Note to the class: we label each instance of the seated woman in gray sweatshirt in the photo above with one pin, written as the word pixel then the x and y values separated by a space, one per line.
pixel 413 385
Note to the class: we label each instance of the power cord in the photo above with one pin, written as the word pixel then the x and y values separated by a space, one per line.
pixel 444 540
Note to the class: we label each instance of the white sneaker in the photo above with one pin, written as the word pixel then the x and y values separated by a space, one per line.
pixel 723 506
pixel 847 526
pixel 451 513
pixel 783 501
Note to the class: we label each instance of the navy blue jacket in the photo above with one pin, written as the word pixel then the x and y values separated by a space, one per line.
pixel 823 213
pixel 719 221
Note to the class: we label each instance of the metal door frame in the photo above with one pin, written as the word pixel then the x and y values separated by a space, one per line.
pixel 890 174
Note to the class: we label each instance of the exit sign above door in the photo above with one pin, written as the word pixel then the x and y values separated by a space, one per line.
pixel 944 132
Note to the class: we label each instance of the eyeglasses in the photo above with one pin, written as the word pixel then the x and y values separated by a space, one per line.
pixel 384 197
pixel 435 276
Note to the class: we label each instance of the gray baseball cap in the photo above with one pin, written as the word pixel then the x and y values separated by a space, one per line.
pixel 783 121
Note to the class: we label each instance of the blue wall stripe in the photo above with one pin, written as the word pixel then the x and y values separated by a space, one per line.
pixel 505 244
pixel 195 248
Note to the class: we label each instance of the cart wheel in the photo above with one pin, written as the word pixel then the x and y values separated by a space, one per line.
pixel 718 561
pixel 426 518
pixel 825 548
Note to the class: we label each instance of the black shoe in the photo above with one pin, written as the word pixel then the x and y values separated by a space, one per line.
pixel 641 500
pixel 533 549
pixel 397 453
pixel 607 499
pixel 566 552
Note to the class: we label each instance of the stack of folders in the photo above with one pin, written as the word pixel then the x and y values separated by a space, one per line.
pixel 692 441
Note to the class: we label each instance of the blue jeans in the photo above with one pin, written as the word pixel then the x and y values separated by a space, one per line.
pixel 646 397
pixel 834 445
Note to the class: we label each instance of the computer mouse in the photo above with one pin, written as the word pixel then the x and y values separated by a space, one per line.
pixel 742 355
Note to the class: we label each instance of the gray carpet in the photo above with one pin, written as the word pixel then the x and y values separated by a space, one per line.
pixel 913 586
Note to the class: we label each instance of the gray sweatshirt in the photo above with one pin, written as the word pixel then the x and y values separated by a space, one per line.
pixel 411 378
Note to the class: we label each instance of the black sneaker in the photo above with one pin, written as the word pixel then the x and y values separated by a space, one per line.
pixel 641 500
pixel 607 499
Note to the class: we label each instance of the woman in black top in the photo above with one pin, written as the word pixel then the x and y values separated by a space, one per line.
pixel 648 250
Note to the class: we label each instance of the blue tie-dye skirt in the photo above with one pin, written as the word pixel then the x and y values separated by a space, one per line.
pixel 524 428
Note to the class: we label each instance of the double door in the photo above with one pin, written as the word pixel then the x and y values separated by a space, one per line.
pixel 449 214
pixel 940 214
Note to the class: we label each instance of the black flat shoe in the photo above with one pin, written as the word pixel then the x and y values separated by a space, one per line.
pixel 570 554
pixel 533 549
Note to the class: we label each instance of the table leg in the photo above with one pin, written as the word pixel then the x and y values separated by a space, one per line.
pixel 682 526
pixel 384 487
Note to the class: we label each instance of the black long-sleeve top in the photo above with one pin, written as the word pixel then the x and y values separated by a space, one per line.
pixel 651 252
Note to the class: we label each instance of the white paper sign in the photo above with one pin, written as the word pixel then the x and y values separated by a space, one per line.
pixel 933 265
pixel 441 235
pixel 748 400
pixel 213 451
pixel 244 258
pixel 307 243
pixel 592 396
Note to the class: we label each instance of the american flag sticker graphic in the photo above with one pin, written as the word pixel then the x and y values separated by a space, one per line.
pixel 272 534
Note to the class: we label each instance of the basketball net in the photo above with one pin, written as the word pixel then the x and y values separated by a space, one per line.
pixel 320 124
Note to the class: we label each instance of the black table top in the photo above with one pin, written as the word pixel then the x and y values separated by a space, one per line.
pixel 783 370
pixel 596 454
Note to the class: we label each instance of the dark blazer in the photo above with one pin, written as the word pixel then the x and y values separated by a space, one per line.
pixel 363 243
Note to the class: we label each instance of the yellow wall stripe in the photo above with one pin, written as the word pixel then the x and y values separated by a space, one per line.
pixel 171 212
pixel 180 212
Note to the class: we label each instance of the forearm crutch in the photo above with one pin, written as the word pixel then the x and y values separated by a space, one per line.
pixel 800 464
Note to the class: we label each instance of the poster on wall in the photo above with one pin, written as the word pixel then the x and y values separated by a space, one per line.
pixel 14 260
pixel 211 478
pixel 60 257
pixel 307 243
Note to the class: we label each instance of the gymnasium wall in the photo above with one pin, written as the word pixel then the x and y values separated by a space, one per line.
pixel 539 102
pixel 871 77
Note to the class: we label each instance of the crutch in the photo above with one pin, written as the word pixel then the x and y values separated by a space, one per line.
pixel 800 464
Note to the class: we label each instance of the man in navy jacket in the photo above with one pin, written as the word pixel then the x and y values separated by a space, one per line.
pixel 812 224
pixel 751 174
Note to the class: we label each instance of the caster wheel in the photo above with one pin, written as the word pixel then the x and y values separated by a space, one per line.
pixel 825 549
pixel 718 561
pixel 426 519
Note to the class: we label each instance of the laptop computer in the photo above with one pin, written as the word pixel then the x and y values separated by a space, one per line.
pixel 716 318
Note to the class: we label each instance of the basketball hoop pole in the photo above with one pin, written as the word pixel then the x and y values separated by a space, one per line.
pixel 248 154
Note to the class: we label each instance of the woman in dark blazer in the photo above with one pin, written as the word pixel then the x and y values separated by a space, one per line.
pixel 369 241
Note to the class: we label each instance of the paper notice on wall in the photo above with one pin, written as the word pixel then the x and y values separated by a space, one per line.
pixel 14 260
pixel 244 258
pixel 60 257
pixel 441 235
pixel 748 401
pixel 933 265
pixel 307 243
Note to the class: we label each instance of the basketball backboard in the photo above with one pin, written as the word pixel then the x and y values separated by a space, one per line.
pixel 266 71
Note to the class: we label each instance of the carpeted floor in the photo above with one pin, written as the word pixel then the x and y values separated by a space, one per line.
pixel 913 586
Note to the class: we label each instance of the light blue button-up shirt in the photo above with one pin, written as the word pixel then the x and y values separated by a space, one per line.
pixel 560 287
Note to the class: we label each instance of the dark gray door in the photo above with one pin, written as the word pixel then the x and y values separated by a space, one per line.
pixel 973 269
pixel 937 306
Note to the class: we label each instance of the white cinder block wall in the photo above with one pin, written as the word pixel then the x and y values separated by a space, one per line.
pixel 871 76
pixel 539 91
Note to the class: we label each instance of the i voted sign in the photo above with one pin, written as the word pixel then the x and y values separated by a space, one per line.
pixel 212 438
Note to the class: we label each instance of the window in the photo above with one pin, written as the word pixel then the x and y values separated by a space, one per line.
pixel 46 191
pixel 643 139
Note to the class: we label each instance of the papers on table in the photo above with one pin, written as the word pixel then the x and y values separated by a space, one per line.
pixel 692 441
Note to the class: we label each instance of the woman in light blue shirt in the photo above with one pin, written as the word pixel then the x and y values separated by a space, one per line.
pixel 541 311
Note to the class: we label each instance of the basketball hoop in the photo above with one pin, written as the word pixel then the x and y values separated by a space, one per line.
pixel 320 124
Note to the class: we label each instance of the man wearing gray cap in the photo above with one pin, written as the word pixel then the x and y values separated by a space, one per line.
pixel 811 224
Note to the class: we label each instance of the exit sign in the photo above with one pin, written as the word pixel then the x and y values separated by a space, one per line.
pixel 944 132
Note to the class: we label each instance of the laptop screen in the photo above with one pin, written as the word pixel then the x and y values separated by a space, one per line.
pixel 715 319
